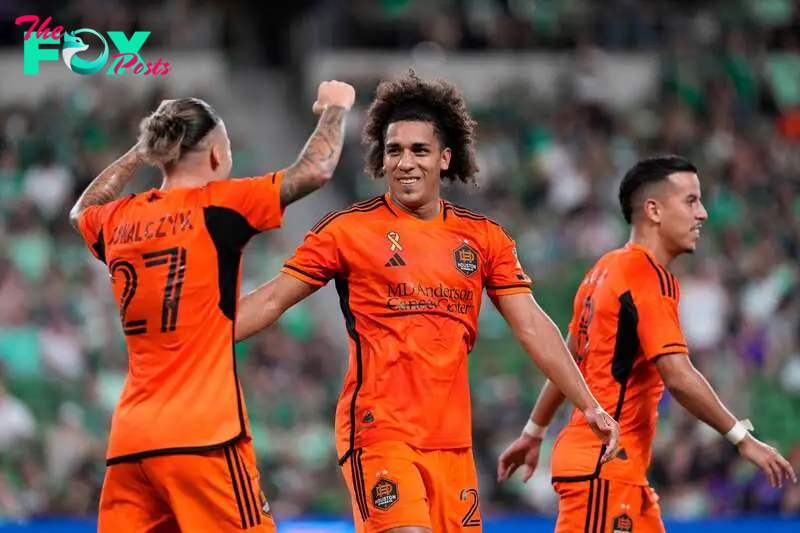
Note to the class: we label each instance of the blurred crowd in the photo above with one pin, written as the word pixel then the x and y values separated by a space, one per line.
pixel 549 173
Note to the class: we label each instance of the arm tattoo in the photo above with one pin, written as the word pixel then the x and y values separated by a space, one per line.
pixel 108 185
pixel 318 159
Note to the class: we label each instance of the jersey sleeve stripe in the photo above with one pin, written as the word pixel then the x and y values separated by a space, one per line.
pixel 668 282
pixel 660 276
pixel 372 205
pixel 514 286
pixel 674 345
pixel 674 286
pixel 324 220
pixel 306 274
pixel 671 352
pixel 472 215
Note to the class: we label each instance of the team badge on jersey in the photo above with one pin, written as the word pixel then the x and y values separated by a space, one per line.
pixel 622 524
pixel 385 494
pixel 466 259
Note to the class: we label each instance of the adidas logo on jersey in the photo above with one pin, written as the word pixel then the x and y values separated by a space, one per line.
pixel 395 261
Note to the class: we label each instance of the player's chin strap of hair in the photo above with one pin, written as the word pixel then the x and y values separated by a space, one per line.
pixel 534 430
pixel 739 431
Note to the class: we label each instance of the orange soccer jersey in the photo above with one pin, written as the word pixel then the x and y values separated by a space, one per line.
pixel 625 317
pixel 410 294
pixel 174 260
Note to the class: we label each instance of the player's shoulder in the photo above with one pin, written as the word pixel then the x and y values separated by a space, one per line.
pixel 473 219
pixel 120 205
pixel 354 214
pixel 648 275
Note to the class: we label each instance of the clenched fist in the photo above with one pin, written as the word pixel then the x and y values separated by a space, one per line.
pixel 334 93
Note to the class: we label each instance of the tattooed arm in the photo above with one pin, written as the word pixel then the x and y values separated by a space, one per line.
pixel 315 165
pixel 108 185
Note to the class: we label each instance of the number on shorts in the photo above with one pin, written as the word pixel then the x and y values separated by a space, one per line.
pixel 469 519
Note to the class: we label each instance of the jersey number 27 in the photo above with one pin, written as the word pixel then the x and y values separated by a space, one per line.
pixel 174 259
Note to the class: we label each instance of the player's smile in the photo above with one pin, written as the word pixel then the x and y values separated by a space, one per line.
pixel 413 160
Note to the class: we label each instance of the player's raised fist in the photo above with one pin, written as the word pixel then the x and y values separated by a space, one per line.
pixel 334 93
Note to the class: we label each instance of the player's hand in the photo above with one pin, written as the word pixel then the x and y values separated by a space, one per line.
pixel 523 451
pixel 768 459
pixel 334 93
pixel 606 429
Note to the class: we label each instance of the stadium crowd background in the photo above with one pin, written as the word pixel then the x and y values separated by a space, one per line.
pixel 728 99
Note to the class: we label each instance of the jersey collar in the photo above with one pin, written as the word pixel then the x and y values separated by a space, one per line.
pixel 399 212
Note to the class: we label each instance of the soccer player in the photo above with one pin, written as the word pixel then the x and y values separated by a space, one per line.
pixel 626 336
pixel 410 270
pixel 180 456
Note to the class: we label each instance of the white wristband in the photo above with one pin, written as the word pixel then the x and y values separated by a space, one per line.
pixel 534 430
pixel 739 431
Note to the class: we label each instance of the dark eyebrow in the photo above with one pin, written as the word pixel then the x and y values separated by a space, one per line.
pixel 414 146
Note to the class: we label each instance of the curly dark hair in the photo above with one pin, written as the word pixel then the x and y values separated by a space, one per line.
pixel 438 102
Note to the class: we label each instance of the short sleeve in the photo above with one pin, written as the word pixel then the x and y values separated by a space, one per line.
pixel 505 273
pixel 318 259
pixel 659 326
pixel 257 199
pixel 91 225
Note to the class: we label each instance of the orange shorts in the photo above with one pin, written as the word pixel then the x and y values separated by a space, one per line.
pixel 603 506
pixel 214 491
pixel 394 485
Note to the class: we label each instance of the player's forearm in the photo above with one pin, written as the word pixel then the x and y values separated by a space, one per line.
pixel 544 344
pixel 316 163
pixel 108 185
pixel 694 393
pixel 550 399
pixel 257 310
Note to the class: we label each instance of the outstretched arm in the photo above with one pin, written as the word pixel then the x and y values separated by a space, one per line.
pixel 263 306
pixel 107 187
pixel 316 163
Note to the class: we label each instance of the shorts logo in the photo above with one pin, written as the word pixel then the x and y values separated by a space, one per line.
pixel 384 494
pixel 466 259
pixel 622 524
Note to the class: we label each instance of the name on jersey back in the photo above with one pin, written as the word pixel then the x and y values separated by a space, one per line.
pixel 164 226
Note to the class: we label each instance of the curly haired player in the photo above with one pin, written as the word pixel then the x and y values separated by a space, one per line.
pixel 410 270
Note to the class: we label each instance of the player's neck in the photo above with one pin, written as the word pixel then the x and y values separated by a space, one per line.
pixel 426 211
pixel 654 245
pixel 183 180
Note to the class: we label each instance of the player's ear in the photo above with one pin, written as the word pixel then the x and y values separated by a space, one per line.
pixel 652 210
pixel 444 159
pixel 215 156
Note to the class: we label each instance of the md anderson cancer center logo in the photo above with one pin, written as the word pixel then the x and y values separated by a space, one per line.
pixel 417 297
